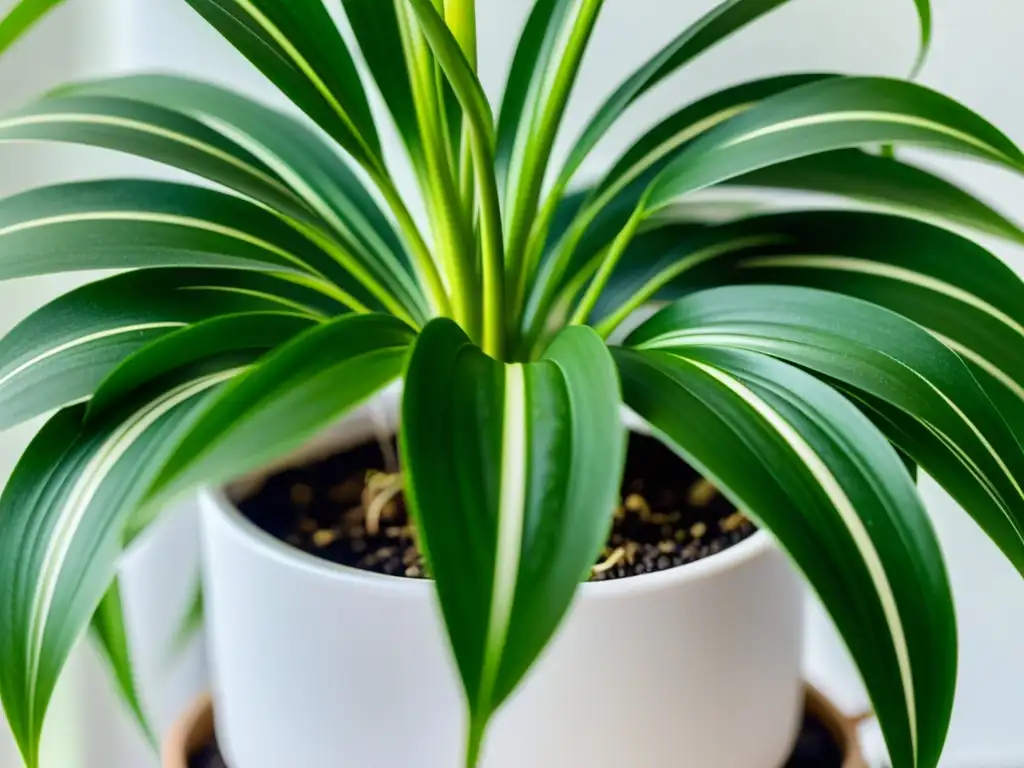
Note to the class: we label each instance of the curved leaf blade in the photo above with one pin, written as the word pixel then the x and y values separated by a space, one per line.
pixel 891 185
pixel 777 440
pixel 298 156
pixel 489 429
pixel 299 48
pixel 296 391
pixel 153 133
pixel 61 353
pixel 876 352
pixel 22 18
pixel 838 113
pixel 63 513
pixel 111 636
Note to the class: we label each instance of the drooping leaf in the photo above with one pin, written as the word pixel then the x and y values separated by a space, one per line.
pixel 61 531
pixel 959 438
pixel 716 25
pixel 887 183
pixel 809 467
pixel 299 48
pixel 295 392
pixel 154 133
pixel 299 157
pixel 59 354
pixel 111 637
pixel 510 546
pixel 838 113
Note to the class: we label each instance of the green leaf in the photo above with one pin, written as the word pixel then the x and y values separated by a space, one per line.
pixel 719 23
pixel 960 438
pixel 810 468
pixel 376 28
pixel 298 47
pixel 295 392
pixel 59 354
pixel 509 546
pixel 22 18
pixel 540 82
pixel 153 133
pixel 61 531
pixel 887 183
pixel 111 638
pixel 241 337
pixel 924 13
pixel 838 113
pixel 968 298
pixel 299 157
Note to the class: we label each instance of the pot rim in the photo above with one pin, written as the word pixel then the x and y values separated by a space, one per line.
pixel 267 545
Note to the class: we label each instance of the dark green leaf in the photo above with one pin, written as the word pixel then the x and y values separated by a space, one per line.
pixel 295 392
pixel 509 546
pixel 59 354
pixel 838 113
pixel 890 184
pixel 810 468
pixel 876 352
pixel 298 47
pixel 111 637
pixel 300 157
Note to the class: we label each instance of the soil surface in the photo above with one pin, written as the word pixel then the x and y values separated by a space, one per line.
pixel 815 748
pixel 350 509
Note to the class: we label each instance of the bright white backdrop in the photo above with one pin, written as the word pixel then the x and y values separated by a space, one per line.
pixel 977 58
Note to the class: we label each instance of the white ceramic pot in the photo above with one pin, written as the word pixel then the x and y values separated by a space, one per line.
pixel 320 666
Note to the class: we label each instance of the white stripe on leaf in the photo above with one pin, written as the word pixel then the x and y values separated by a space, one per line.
pixel 858 531
pixel 511 516
pixel 77 501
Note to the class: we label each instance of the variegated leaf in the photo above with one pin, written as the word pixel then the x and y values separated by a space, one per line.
pixel 504 579
pixel 810 468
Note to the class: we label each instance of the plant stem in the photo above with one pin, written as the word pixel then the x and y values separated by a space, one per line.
pixel 419 252
pixel 618 248
pixel 493 249
pixel 460 15
pixel 475 742
pixel 540 139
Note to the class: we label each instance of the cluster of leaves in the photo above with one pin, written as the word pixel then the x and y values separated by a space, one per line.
pixel 806 362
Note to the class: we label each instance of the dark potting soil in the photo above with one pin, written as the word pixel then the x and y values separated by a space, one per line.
pixel 816 747
pixel 349 509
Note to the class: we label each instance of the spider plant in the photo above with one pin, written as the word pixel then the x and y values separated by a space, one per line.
pixel 807 362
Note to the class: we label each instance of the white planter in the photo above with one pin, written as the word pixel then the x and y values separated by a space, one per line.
pixel 318 665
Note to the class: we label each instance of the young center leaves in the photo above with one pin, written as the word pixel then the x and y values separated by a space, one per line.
pixel 513 475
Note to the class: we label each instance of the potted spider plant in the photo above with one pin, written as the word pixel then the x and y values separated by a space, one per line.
pixel 458 526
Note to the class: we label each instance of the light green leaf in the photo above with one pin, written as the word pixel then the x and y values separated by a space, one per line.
pixel 59 354
pixel 811 469
pixel 837 113
pixel 543 74
pixel 959 438
pixel 510 546
pixel 295 392
pixel 61 531
pixel 298 47
pixel 22 18
pixel 108 629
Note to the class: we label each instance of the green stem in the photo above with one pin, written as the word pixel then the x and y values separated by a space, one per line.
pixel 475 742
pixel 419 252
pixel 528 179
pixel 460 15
pixel 493 249
pixel 618 248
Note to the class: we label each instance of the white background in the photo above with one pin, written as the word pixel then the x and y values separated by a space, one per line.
pixel 978 58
